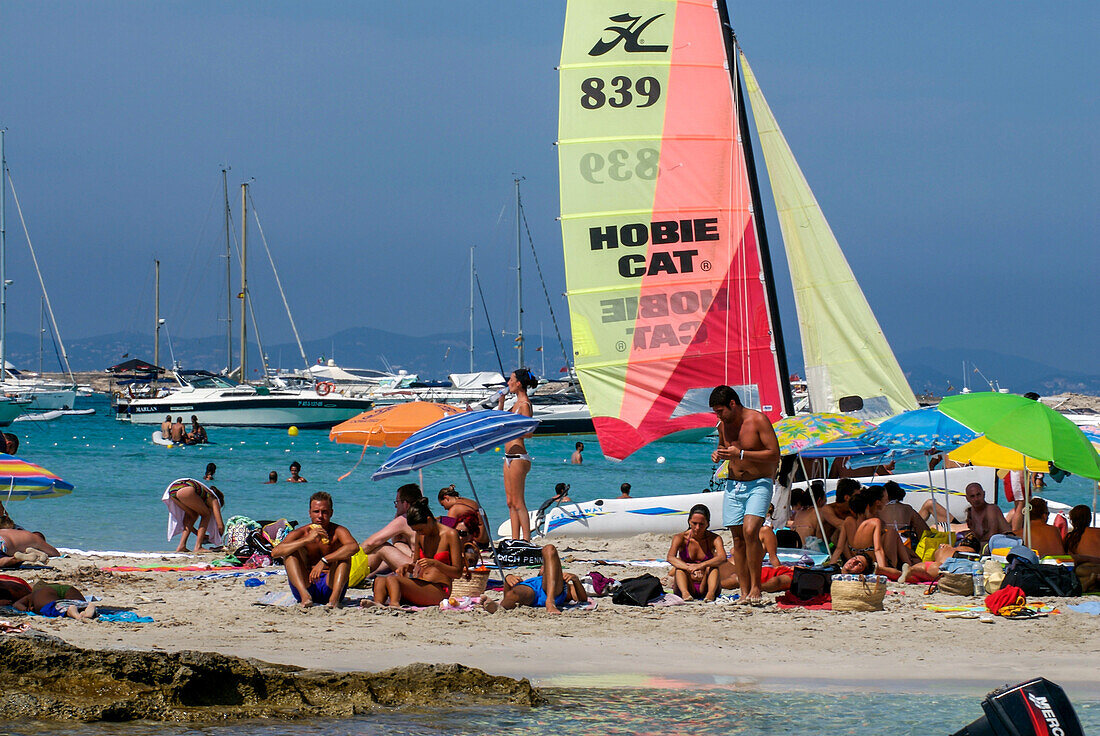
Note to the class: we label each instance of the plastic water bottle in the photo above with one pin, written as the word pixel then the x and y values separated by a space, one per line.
pixel 492 401
pixel 979 581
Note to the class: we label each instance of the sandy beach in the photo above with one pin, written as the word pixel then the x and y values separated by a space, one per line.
pixel 903 647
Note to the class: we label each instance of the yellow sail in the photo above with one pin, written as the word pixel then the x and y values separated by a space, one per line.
pixel 844 349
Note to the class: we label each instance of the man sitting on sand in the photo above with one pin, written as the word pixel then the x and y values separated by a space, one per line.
pixel 18 546
pixel 390 548
pixel 551 588
pixel 1046 540
pixel 57 600
pixel 318 556
pixel 983 520
pixel 835 513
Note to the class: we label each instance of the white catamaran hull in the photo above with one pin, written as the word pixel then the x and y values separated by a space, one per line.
pixel 668 514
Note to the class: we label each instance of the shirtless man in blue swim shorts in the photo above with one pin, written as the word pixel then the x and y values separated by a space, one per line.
pixel 318 556
pixel 746 439
pixel 551 588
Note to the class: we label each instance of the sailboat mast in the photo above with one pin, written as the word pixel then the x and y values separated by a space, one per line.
pixel 3 259
pixel 41 332
pixel 519 281
pixel 228 277
pixel 472 309
pixel 156 313
pixel 243 296
pixel 730 41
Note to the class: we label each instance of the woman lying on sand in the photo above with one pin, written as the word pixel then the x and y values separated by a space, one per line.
pixel 57 600
pixel 695 556
pixel 427 581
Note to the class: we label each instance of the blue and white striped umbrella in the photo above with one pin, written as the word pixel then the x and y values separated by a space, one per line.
pixel 844 447
pixel 455 436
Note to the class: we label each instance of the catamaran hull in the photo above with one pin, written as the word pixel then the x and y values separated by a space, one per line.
pixel 668 514
pixel 259 411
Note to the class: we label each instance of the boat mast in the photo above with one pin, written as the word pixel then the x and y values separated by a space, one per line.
pixel 519 281
pixel 156 314
pixel 3 260
pixel 732 55
pixel 228 278
pixel 243 296
pixel 41 331
pixel 472 308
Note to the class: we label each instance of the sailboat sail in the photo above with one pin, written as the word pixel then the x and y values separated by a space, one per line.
pixel 663 267
pixel 844 349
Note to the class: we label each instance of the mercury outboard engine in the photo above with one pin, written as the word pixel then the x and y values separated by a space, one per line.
pixel 1034 708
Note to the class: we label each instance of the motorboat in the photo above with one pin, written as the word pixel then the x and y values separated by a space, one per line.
pixel 219 401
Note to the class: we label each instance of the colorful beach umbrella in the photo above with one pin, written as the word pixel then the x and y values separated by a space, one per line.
pixel 986 453
pixel 453 437
pixel 389 426
pixel 803 431
pixel 925 429
pixel 20 479
pixel 1029 427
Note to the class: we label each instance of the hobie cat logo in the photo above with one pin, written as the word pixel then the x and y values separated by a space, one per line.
pixel 629 33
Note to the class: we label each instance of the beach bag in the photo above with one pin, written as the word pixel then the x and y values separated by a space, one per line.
pixel 810 582
pixel 518 553
pixel 471 584
pixel 263 540
pixel 237 530
pixel 858 592
pixel 638 591
pixel 1041 580
pixel 360 568
pixel 930 541
pixel 955 583
pixel 993 574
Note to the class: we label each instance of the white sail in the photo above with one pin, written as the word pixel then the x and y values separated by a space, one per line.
pixel 844 349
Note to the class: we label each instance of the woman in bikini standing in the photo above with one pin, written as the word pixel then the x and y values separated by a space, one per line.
pixel 427 581
pixel 516 460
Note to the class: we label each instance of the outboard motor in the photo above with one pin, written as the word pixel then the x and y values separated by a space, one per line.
pixel 1034 708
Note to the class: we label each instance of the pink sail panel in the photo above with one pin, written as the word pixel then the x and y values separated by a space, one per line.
pixel 702 309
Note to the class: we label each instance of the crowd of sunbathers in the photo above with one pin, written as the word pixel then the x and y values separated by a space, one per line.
pixel 414 560
pixel 870 530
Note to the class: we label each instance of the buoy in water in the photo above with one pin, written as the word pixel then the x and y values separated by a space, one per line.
pixel 661 460
pixel 293 431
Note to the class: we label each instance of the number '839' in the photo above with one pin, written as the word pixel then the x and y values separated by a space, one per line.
pixel 622 93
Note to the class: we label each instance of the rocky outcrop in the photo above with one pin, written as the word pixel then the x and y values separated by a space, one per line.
pixel 49 679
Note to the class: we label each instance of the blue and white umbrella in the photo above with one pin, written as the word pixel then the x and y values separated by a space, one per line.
pixel 455 436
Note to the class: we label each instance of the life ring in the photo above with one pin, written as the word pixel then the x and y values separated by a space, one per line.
pixel 324 388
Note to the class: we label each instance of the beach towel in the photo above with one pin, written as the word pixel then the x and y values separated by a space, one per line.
pixel 176 513
pixel 168 568
pixel 818 603
pixel 1090 607
pixel 251 573
pixel 117 553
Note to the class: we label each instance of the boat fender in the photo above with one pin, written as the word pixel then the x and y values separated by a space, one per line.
pixel 324 388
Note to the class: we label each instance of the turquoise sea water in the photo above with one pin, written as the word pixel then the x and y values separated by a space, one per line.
pixel 120 476
pixel 699 712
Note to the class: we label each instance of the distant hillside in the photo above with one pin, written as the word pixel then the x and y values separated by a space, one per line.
pixel 935 371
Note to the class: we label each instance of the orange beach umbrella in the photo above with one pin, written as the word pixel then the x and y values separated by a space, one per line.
pixel 389 426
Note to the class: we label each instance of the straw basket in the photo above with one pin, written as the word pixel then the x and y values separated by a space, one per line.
pixel 864 594
pixel 472 586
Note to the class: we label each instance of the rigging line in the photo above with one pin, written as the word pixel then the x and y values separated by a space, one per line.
pixel 538 267
pixel 279 283
pixel 41 281
pixel 259 341
pixel 492 334
pixel 178 308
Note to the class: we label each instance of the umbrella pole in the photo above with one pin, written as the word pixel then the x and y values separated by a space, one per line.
pixel 484 516
pixel 935 515
pixel 817 512
pixel 1095 490
pixel 1027 503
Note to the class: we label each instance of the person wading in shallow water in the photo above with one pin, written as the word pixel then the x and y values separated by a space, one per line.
pixel 746 439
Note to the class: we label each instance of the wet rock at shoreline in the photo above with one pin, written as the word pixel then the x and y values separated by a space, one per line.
pixel 47 679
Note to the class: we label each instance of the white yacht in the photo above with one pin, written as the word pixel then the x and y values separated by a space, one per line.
pixel 39 393
pixel 218 401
